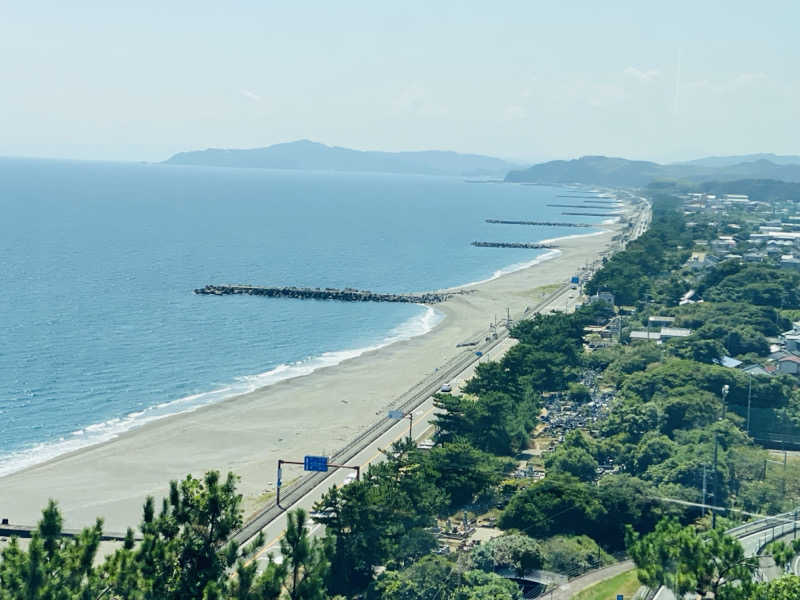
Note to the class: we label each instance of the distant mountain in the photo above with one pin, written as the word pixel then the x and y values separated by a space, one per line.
pixel 602 170
pixel 308 155
pixel 597 170
pixel 766 190
pixel 729 161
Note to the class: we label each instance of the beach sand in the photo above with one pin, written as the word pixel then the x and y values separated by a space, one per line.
pixel 314 414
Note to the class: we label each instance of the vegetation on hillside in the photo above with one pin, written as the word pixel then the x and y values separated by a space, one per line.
pixel 677 419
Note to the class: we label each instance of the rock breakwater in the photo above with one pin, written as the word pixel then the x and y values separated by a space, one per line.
pixel 344 295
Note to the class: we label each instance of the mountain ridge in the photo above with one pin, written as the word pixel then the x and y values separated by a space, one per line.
pixel 614 171
pixel 309 155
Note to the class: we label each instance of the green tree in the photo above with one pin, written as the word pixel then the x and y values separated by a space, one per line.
pixel 463 472
pixel 518 553
pixel 783 588
pixel 684 560
pixel 573 554
pixel 579 393
pixel 573 461
pixel 559 504
pixel 306 560
pixel 436 577
pixel 52 567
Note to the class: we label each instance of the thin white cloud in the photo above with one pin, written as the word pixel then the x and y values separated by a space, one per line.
pixel 250 95
pixel 647 76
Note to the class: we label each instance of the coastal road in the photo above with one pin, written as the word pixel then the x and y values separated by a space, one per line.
pixel 366 448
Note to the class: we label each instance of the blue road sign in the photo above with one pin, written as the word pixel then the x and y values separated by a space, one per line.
pixel 619 597
pixel 396 414
pixel 576 279
pixel 315 463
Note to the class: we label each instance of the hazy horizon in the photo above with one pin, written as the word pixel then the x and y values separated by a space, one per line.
pixel 522 82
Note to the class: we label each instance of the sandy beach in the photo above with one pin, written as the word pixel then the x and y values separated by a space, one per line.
pixel 313 414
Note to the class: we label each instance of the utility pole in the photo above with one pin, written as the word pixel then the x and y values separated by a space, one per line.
pixel 716 498
pixel 783 484
pixel 703 508
pixel 749 398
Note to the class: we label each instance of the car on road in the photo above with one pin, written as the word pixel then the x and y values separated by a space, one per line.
pixel 446 388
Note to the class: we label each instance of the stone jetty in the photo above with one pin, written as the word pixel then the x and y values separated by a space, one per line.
pixel 542 223
pixel 513 245
pixel 581 206
pixel 597 198
pixel 587 214
pixel 345 295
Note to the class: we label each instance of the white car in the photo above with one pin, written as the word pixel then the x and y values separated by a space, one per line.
pixel 447 388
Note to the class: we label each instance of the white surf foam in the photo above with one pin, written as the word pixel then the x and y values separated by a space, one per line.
pixel 97 433
pixel 550 254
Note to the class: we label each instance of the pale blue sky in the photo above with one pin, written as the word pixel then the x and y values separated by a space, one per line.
pixel 528 80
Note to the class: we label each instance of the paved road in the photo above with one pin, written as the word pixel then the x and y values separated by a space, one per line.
pixel 272 520
pixel 753 537
pixel 367 448
pixel 569 589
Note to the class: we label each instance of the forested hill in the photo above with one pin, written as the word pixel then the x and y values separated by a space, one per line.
pixel 603 170
pixel 308 155
pixel 764 190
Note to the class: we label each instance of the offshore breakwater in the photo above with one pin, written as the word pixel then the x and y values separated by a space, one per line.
pixel 513 245
pixel 345 295
pixel 589 214
pixel 541 223
pixel 597 207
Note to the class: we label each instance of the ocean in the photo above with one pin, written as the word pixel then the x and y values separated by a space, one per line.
pixel 100 331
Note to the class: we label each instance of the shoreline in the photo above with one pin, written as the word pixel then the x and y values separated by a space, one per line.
pixel 116 427
pixel 111 478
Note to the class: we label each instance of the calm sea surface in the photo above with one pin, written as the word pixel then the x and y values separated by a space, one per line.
pixel 100 331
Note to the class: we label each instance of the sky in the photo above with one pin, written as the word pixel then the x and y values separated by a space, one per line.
pixel 530 80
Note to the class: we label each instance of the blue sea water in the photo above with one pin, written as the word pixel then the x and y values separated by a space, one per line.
pixel 100 331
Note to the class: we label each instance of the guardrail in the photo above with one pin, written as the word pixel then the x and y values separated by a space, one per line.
pixel 776 525
pixel 407 402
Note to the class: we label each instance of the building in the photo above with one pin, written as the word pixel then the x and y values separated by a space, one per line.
pixel 789 364
pixel 658 321
pixel 756 370
pixel 789 261
pixel 668 333
pixel 645 336
pixel 665 333
pixel 754 257
pixel 730 362
pixel 607 297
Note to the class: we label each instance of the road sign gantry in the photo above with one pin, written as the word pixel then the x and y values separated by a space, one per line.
pixel 313 463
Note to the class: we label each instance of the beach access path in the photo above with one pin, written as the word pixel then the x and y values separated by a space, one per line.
pixel 314 414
